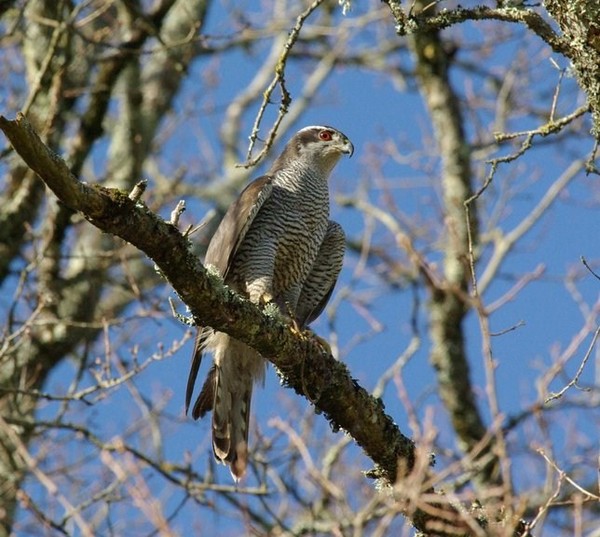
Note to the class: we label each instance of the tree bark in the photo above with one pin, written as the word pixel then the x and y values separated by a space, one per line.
pixel 300 360
pixel 579 21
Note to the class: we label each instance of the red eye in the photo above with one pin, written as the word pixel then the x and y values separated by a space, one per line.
pixel 325 135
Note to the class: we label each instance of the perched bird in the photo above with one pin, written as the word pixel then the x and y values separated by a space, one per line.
pixel 277 245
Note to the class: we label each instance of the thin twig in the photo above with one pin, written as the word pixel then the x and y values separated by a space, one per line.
pixel 573 382
pixel 138 190
pixel 585 264
pixel 177 212
pixel 563 475
pixel 278 80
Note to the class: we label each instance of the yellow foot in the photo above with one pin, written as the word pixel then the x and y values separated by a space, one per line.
pixel 265 298
pixel 296 328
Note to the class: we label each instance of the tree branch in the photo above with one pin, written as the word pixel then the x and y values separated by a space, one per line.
pixel 429 20
pixel 447 304
pixel 579 22
pixel 300 360
pixel 578 42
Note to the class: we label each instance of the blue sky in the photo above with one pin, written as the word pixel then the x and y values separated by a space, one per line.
pixel 372 110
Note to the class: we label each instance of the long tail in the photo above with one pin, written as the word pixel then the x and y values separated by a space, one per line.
pixel 227 391
pixel 231 416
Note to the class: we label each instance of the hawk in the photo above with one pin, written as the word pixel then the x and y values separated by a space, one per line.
pixel 277 245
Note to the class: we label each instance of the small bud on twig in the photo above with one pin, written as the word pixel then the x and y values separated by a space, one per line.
pixel 138 190
pixel 177 212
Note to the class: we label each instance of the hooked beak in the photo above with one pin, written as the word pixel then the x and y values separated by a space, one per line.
pixel 348 148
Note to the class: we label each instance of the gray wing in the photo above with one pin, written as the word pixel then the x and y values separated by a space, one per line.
pixel 220 254
pixel 319 284
pixel 234 226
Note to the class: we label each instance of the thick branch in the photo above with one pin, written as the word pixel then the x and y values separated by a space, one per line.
pixel 427 20
pixel 580 24
pixel 300 361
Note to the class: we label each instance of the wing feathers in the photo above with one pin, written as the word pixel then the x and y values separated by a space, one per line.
pixel 199 342
pixel 220 253
pixel 320 282
pixel 235 224
pixel 206 399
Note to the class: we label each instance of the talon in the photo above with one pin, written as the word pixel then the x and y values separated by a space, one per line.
pixel 265 298
pixel 296 328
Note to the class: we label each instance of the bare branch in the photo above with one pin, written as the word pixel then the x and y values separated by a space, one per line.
pixel 278 80
pixel 504 244
pixel 573 382
pixel 424 22
pixel 299 360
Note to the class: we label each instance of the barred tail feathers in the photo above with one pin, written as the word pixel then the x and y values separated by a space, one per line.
pixel 237 367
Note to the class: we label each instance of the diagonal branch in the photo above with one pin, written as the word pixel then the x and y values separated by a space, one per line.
pixel 300 360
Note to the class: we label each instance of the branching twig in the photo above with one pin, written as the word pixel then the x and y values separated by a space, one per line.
pixel 575 379
pixel 278 80
pixel 563 475
pixel 300 360
pixel 20 450
pixel 505 243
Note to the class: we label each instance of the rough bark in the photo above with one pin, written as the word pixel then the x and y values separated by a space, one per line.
pixel 300 360
pixel 579 22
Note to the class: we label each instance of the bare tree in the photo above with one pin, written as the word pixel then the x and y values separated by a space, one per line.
pixel 150 103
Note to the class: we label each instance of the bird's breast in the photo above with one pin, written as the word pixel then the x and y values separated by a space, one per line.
pixel 284 239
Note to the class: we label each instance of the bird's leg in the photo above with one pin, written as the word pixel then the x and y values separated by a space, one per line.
pixel 303 332
pixel 260 291
pixel 296 328
pixel 261 295
pixel 271 305
pixel 265 298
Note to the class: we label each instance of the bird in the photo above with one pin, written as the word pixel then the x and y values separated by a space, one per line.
pixel 275 245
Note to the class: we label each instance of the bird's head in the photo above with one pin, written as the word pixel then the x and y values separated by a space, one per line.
pixel 319 147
